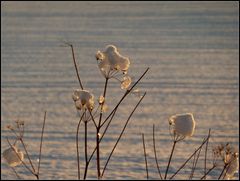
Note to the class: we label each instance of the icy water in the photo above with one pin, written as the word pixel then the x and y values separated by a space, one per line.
pixel 191 48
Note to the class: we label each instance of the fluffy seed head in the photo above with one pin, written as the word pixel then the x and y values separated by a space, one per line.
pixel 13 156
pixel 183 124
pixel 111 60
pixel 83 99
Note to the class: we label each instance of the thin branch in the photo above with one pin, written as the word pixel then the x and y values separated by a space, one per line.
pixel 111 115
pixel 14 132
pixel 191 156
pixel 193 163
pixel 92 118
pixel 227 168
pixel 104 95
pixel 123 97
pixel 78 159
pixel 30 161
pixel 155 154
pixel 195 160
pixel 98 129
pixel 122 133
pixel 205 159
pixel 224 168
pixel 13 169
pixel 75 64
pixel 170 158
pixel 98 154
pixel 40 151
pixel 86 148
pixel 214 166
pixel 90 158
pixel 145 155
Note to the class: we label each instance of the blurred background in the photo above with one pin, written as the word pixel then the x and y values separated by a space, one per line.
pixel 192 49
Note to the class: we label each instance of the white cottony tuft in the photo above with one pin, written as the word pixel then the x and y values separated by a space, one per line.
pixel 83 99
pixel 112 60
pixel 183 124
pixel 13 156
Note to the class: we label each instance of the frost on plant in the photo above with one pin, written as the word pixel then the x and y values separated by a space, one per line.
pixel 182 124
pixel 110 61
pixel 113 65
pixel 83 99
pixel 13 156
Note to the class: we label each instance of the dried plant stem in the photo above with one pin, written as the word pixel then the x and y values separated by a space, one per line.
pixel 121 134
pixel 123 97
pixel 191 156
pixel 92 117
pixel 40 151
pixel 78 159
pixel 104 95
pixel 111 115
pixel 224 168
pixel 98 154
pixel 145 155
pixel 98 130
pixel 205 158
pixel 195 163
pixel 90 158
pixel 75 63
pixel 227 168
pixel 170 158
pixel 155 154
pixel 214 166
pixel 29 159
pixel 13 169
pixel 86 148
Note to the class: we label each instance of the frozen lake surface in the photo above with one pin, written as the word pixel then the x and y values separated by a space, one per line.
pixel 192 50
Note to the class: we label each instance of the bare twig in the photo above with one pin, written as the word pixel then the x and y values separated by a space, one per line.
pixel 170 158
pixel 95 124
pixel 90 158
pixel 13 169
pixel 98 154
pixel 98 129
pixel 191 156
pixel 145 155
pixel 205 159
pixel 224 168
pixel 123 97
pixel 122 133
pixel 29 159
pixel 214 166
pixel 111 115
pixel 40 151
pixel 227 168
pixel 75 64
pixel 104 95
pixel 86 149
pixel 155 154
pixel 195 163
pixel 78 159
